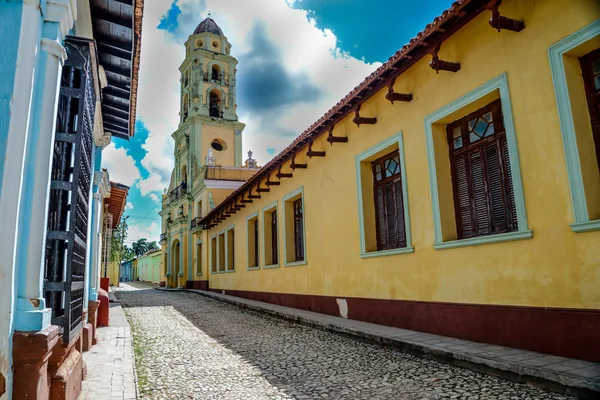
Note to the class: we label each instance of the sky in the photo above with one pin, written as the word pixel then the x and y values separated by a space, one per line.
pixel 297 59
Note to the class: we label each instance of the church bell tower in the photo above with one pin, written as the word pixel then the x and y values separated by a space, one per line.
pixel 208 96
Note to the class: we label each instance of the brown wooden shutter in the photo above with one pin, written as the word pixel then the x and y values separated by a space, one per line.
pixel 298 231
pixel 382 235
pixel 389 202
pixel 400 223
pixel 483 191
pixel 274 249
pixel 256 259
pixel 590 68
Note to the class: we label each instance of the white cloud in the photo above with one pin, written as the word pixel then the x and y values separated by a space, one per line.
pixel 140 230
pixel 153 196
pixel 121 167
pixel 305 49
pixel 128 206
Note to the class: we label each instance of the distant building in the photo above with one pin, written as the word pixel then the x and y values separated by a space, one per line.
pixel 69 85
pixel 208 154
pixel 455 191
pixel 148 266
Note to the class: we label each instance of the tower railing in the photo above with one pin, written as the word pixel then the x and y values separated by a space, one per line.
pixel 219 78
pixel 178 192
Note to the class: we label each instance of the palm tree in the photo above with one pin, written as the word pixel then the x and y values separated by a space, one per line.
pixel 140 247
pixel 153 245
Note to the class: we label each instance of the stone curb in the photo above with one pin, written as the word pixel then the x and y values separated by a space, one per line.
pixel 561 383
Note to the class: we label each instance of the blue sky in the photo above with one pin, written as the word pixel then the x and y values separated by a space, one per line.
pixel 297 58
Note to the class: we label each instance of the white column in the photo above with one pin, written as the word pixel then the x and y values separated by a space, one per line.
pixel 31 313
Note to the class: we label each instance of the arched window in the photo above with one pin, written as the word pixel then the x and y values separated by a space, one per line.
pixel 215 104
pixel 216 72
pixel 184 176
pixel 186 79
pixel 185 106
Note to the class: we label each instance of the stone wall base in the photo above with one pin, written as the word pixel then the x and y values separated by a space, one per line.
pixel 31 354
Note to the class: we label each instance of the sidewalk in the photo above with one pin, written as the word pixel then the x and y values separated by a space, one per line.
pixel 110 363
pixel 568 376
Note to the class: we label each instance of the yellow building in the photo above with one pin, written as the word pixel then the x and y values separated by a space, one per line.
pixel 208 154
pixel 455 191
pixel 114 206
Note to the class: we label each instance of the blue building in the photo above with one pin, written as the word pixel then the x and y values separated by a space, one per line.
pixel 68 86
pixel 126 272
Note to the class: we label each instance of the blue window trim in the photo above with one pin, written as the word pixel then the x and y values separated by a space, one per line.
pixel 287 197
pixel 582 222
pixel 248 218
pixel 263 260
pixel 396 139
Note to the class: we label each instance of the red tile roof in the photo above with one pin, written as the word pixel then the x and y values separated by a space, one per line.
pixel 450 21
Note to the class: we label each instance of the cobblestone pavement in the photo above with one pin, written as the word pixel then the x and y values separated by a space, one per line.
pixel 191 347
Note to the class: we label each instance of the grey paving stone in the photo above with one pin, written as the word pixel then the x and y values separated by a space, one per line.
pixel 197 348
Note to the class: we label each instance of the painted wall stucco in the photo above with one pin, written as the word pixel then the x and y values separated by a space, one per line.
pixel 556 268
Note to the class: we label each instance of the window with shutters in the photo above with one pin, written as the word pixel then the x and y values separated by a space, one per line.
pixel 213 255
pixel 575 67
pixel 294 229
pixel 221 251
pixel 389 202
pixel 199 258
pixel 252 240
pixel 298 229
pixel 274 235
pixel 270 236
pixel 590 68
pixel 384 225
pixel 484 198
pixel 230 249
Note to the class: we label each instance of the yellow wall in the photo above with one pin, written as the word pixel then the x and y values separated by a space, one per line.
pixel 557 267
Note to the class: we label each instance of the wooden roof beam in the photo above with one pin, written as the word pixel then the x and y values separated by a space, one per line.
pixel 395 96
pixel 335 139
pixel 311 153
pixel 438 64
pixel 294 165
pixel 499 22
pixel 358 120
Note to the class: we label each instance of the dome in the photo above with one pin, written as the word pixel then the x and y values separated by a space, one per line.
pixel 208 25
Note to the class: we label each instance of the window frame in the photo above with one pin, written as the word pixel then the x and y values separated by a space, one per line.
pixel 394 141
pixel 581 220
pixel 252 219
pixel 273 207
pixel 229 260
pixel 221 260
pixel 499 84
pixel 290 198
pixel 213 254
pixel 382 183
pixel 200 244
pixel 591 92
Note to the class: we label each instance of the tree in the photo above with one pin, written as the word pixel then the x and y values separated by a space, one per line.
pixel 153 246
pixel 117 249
pixel 140 247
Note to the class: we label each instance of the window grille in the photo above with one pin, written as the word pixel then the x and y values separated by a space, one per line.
pixel 66 244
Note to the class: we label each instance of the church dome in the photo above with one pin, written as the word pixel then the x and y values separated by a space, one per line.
pixel 208 25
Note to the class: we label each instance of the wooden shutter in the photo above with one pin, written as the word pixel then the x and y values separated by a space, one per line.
pixel 590 68
pixel 256 264
pixel 298 231
pixel 274 255
pixel 389 202
pixel 483 191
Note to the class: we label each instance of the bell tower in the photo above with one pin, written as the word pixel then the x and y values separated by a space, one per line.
pixel 208 96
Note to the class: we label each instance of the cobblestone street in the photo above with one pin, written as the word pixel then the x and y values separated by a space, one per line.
pixel 191 347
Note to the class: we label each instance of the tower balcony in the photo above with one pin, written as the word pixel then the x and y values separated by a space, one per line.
pixel 218 78
pixel 177 193
pixel 163 238
pixel 215 112
pixel 195 225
